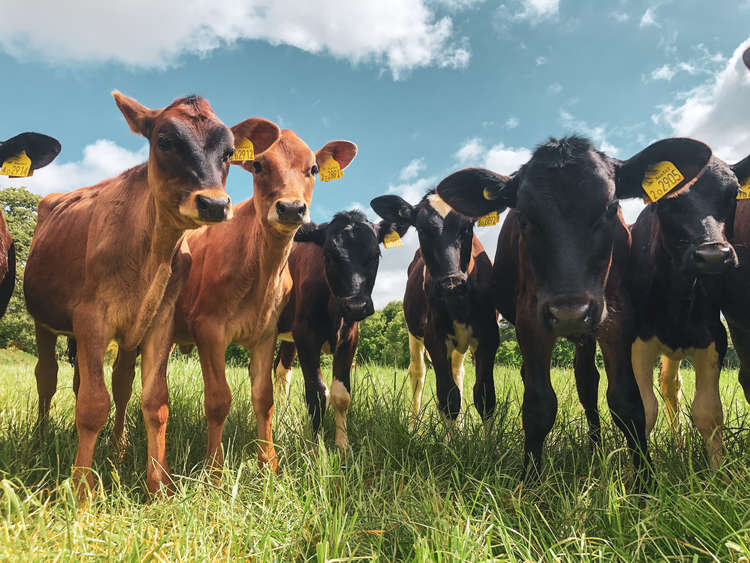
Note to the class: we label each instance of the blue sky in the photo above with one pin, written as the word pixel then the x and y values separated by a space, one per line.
pixel 422 86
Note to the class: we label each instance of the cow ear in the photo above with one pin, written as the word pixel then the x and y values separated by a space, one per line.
pixel 387 227
pixel 140 118
pixel 664 168
pixel 393 209
pixel 41 149
pixel 342 152
pixel 260 132
pixel 746 57
pixel 742 169
pixel 475 192
pixel 310 232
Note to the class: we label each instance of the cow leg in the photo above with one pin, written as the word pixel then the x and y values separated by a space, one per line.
pixel 282 378
pixel 45 371
pixel 92 401
pixel 448 393
pixel 123 373
pixel 417 372
pixel 707 411
pixel 643 356
pixel 741 341
pixel 587 385
pixel 261 358
pixel 539 408
pixel 341 386
pixel 217 397
pixel 484 386
pixel 316 391
pixel 670 383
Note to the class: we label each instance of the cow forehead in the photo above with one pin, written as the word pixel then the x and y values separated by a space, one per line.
pixel 348 235
pixel 290 151
pixel 440 207
pixel 193 110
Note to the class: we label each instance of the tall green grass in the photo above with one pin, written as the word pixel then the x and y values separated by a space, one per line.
pixel 402 493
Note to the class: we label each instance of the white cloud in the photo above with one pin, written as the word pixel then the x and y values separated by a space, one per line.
pixel 537 10
pixel 457 5
pixel 717 111
pixel 102 159
pixel 512 122
pixel 398 34
pixel 649 18
pixel 621 17
pixel 412 169
pixel 541 61
pixel 703 61
pixel 663 73
pixel 597 133
pixel 554 88
pixel 413 191
pixel 498 158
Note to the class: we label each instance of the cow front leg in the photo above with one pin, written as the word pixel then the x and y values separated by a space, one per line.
pixel 643 357
pixel 484 386
pixel 123 373
pixel 316 391
pixel 417 372
pixel 707 410
pixel 261 359
pixel 341 386
pixel 282 377
pixel 45 371
pixel 741 341
pixel 448 393
pixel 670 384
pixel 587 385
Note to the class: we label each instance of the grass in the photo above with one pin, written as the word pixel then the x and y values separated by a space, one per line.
pixel 401 494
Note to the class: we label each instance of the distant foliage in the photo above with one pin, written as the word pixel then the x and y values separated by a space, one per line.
pixel 19 208
pixel 383 337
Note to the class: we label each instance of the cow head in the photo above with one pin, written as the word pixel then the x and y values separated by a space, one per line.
pixel 351 254
pixel 284 177
pixel 445 239
pixel 696 221
pixel 40 149
pixel 190 151
pixel 566 199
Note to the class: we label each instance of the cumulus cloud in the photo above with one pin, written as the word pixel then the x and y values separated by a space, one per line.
pixel 538 10
pixel 102 159
pixel 412 169
pixel 498 158
pixel 597 133
pixel 703 61
pixel 664 72
pixel 717 111
pixel 398 34
pixel 648 19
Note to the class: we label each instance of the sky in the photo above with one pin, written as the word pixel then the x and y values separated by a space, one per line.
pixel 423 87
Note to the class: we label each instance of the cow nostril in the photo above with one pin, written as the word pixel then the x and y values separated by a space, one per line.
pixel 281 207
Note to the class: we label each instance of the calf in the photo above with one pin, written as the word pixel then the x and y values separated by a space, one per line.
pixel 20 156
pixel 445 303
pixel 107 262
pixel 239 283
pixel 333 268
pixel 560 267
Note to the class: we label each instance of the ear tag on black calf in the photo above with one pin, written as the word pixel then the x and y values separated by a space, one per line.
pixel 492 218
pixel 244 150
pixel 659 180
pixel 19 166
pixel 392 240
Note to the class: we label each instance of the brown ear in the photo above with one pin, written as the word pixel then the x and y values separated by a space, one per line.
pixel 342 152
pixel 139 117
pixel 261 132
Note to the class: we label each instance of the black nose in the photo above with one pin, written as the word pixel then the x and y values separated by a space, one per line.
pixel 291 211
pixel 356 309
pixel 212 209
pixel 713 258
pixel 452 283
pixel 569 318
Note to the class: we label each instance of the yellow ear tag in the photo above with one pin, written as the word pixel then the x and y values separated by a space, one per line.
pixel 744 191
pixel 492 218
pixel 244 150
pixel 660 178
pixel 392 240
pixel 19 165
pixel 330 170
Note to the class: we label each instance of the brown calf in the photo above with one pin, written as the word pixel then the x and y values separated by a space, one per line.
pixel 107 262
pixel 239 282
pixel 32 150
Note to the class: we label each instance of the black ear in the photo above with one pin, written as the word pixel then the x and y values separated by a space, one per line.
pixel 746 57
pixel 475 192
pixel 688 156
pixel 386 227
pixel 310 232
pixel 41 149
pixel 742 168
pixel 394 209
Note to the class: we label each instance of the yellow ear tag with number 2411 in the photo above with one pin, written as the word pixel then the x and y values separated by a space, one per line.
pixel 744 191
pixel 244 150
pixel 19 165
pixel 330 170
pixel 659 179
pixel 492 218
pixel 392 240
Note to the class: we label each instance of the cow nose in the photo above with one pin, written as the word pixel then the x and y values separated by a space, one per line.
pixel 356 310
pixel 713 258
pixel 291 211
pixel 212 209
pixel 452 283
pixel 564 319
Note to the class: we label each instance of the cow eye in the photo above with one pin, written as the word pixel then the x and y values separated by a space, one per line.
pixel 227 155
pixel 164 143
pixel 314 169
pixel 257 167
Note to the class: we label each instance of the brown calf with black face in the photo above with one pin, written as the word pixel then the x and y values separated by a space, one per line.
pixel 108 261
pixel 239 282
pixel 40 151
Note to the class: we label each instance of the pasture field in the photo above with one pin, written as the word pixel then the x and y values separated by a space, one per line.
pixel 401 494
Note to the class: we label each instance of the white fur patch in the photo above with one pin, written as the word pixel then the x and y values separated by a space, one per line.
pixel 439 205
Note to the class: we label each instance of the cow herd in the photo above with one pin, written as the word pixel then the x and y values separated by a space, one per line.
pixel 159 256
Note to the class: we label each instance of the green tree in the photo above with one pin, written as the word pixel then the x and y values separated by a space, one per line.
pixel 19 208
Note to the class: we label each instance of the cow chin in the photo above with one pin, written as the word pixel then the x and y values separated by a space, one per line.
pixel 285 227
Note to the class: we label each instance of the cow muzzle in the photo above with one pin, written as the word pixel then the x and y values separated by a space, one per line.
pixel 571 316
pixel 206 207
pixel 713 258
pixel 288 214
pixel 354 309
